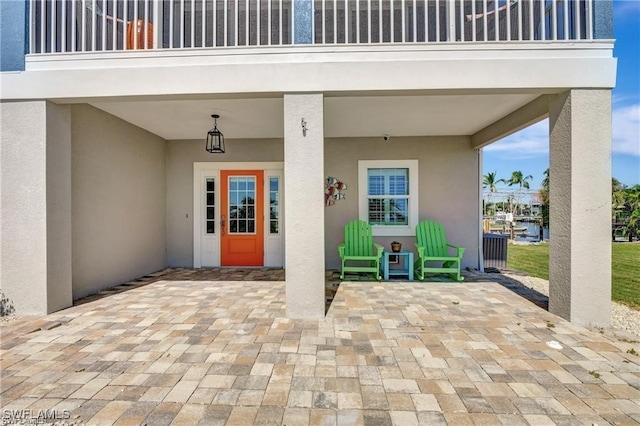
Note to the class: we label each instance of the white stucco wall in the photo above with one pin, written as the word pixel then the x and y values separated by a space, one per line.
pixel 580 207
pixel 118 188
pixel 448 173
pixel 304 205
pixel 180 157
pixel 59 207
pixel 35 206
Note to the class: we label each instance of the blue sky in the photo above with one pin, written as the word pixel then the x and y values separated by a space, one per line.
pixel 528 150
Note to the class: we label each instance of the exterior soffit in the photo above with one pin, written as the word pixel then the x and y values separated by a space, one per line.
pixel 344 116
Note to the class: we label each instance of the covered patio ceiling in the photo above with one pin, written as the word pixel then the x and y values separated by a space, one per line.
pixel 345 116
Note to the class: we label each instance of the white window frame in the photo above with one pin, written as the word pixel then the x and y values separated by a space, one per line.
pixel 389 230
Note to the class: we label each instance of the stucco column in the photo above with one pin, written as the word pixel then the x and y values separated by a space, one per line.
pixel 304 205
pixel 35 201
pixel 580 207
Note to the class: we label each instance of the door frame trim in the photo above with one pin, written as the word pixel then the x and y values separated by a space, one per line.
pixel 214 167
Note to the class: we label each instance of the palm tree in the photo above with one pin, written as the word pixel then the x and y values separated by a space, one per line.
pixel 633 227
pixel 631 210
pixel 625 207
pixel 489 181
pixel 544 198
pixel 517 178
pixel 616 185
pixel 618 198
pixel 545 181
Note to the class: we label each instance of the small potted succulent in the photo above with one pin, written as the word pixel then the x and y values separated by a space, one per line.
pixel 396 246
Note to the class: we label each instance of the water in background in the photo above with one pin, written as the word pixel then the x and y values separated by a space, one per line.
pixel 533 232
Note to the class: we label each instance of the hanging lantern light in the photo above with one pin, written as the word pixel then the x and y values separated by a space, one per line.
pixel 215 138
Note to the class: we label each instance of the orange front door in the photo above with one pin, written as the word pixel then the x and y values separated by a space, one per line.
pixel 242 220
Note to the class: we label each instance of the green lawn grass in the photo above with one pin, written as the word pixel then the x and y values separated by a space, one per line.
pixel 533 259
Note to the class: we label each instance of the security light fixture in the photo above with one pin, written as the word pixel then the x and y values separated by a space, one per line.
pixel 215 138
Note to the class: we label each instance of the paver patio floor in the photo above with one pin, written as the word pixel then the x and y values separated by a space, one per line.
pixel 223 352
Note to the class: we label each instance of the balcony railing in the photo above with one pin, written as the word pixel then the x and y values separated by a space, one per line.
pixel 58 26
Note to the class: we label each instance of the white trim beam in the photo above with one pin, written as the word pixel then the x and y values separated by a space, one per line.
pixel 519 119
pixel 309 69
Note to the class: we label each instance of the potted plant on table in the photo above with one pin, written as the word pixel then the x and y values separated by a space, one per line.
pixel 396 246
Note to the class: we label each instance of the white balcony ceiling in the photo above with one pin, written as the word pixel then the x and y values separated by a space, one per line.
pixel 345 116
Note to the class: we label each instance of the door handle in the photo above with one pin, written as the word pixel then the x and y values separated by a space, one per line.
pixel 222 224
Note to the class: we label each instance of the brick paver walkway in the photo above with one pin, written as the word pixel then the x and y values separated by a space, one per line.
pixel 223 352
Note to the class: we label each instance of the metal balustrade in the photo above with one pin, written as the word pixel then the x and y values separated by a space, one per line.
pixel 58 26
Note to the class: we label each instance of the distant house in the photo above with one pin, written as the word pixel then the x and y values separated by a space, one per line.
pixel 536 209
pixel 105 176
pixel 536 205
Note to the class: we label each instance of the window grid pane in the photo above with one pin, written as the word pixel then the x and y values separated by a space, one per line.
pixel 376 184
pixel 388 203
pixel 242 205
pixel 388 181
pixel 210 201
pixel 274 205
pixel 398 185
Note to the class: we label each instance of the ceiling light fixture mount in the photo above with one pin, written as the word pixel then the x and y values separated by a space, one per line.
pixel 215 138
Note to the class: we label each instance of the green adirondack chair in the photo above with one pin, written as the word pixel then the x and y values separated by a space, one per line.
pixel 358 246
pixel 434 253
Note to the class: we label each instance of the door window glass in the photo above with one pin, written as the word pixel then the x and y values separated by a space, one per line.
pixel 242 195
